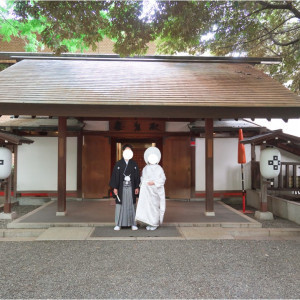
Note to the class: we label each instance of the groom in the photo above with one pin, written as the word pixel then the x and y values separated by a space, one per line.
pixel 125 181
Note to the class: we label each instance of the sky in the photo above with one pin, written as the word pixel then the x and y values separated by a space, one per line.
pixel 291 127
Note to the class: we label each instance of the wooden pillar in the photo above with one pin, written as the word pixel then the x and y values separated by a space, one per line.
pixel 62 166
pixel 264 195
pixel 263 188
pixel 209 167
pixel 15 178
pixel 7 197
pixel 253 170
pixel 79 164
pixel 193 171
pixel 7 191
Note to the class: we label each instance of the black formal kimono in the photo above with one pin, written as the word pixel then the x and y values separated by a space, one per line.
pixel 121 170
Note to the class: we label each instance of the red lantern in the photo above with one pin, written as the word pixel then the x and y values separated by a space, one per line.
pixel 241 149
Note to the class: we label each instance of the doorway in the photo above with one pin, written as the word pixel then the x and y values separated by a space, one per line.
pixel 101 153
pixel 139 147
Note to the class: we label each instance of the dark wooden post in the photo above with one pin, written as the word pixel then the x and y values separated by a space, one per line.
pixel 7 197
pixel 263 189
pixel 193 171
pixel 62 165
pixel 264 195
pixel 209 167
pixel 15 148
pixel 79 164
pixel 263 214
pixel 253 170
pixel 7 191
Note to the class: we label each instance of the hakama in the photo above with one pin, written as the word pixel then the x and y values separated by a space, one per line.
pixel 125 212
pixel 152 201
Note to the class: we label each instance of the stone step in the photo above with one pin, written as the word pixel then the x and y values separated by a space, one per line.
pixel 20 233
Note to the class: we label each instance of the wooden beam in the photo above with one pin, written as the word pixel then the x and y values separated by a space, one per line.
pixel 148 111
pixel 62 165
pixel 209 167
pixel 79 164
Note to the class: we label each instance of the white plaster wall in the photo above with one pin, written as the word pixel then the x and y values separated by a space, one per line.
pixel 96 125
pixel 177 127
pixel 37 164
pixel 227 171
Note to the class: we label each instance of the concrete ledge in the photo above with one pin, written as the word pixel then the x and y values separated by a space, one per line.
pixel 239 233
pixel 187 233
pixel 17 225
pixel 280 207
pixel 8 233
pixel 284 232
pixel 66 234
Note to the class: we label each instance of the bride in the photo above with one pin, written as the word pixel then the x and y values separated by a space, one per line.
pixel 152 202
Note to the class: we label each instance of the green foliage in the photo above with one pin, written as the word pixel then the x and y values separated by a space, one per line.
pixel 3 66
pixel 250 28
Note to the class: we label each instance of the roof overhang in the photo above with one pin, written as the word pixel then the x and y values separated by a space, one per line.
pixel 39 124
pixel 227 126
pixel 277 139
pixel 135 88
pixel 7 138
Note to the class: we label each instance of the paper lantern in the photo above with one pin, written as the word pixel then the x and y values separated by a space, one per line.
pixel 152 150
pixel 241 149
pixel 270 161
pixel 5 163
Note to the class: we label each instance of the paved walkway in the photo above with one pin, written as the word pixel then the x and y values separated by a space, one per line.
pixel 101 213
pixel 191 224
pixel 163 233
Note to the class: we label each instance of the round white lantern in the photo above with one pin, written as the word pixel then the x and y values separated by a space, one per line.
pixel 270 161
pixel 5 162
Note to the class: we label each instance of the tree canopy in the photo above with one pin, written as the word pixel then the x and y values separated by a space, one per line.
pixel 249 28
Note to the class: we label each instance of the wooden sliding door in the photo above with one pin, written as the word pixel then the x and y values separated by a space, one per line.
pixel 96 163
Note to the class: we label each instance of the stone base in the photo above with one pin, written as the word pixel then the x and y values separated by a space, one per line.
pixel 8 216
pixel 263 216
pixel 210 213
pixel 61 213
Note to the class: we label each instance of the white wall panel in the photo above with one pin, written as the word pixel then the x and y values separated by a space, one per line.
pixel 37 164
pixel 227 171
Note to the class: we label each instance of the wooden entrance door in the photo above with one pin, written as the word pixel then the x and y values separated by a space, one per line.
pixel 177 167
pixel 95 166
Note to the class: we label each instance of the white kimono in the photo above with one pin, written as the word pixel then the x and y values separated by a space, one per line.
pixel 152 202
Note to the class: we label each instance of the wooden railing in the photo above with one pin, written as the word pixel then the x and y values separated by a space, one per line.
pixel 288 179
pixel 289 176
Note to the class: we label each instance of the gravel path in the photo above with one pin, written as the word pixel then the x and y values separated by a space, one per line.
pixel 150 269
